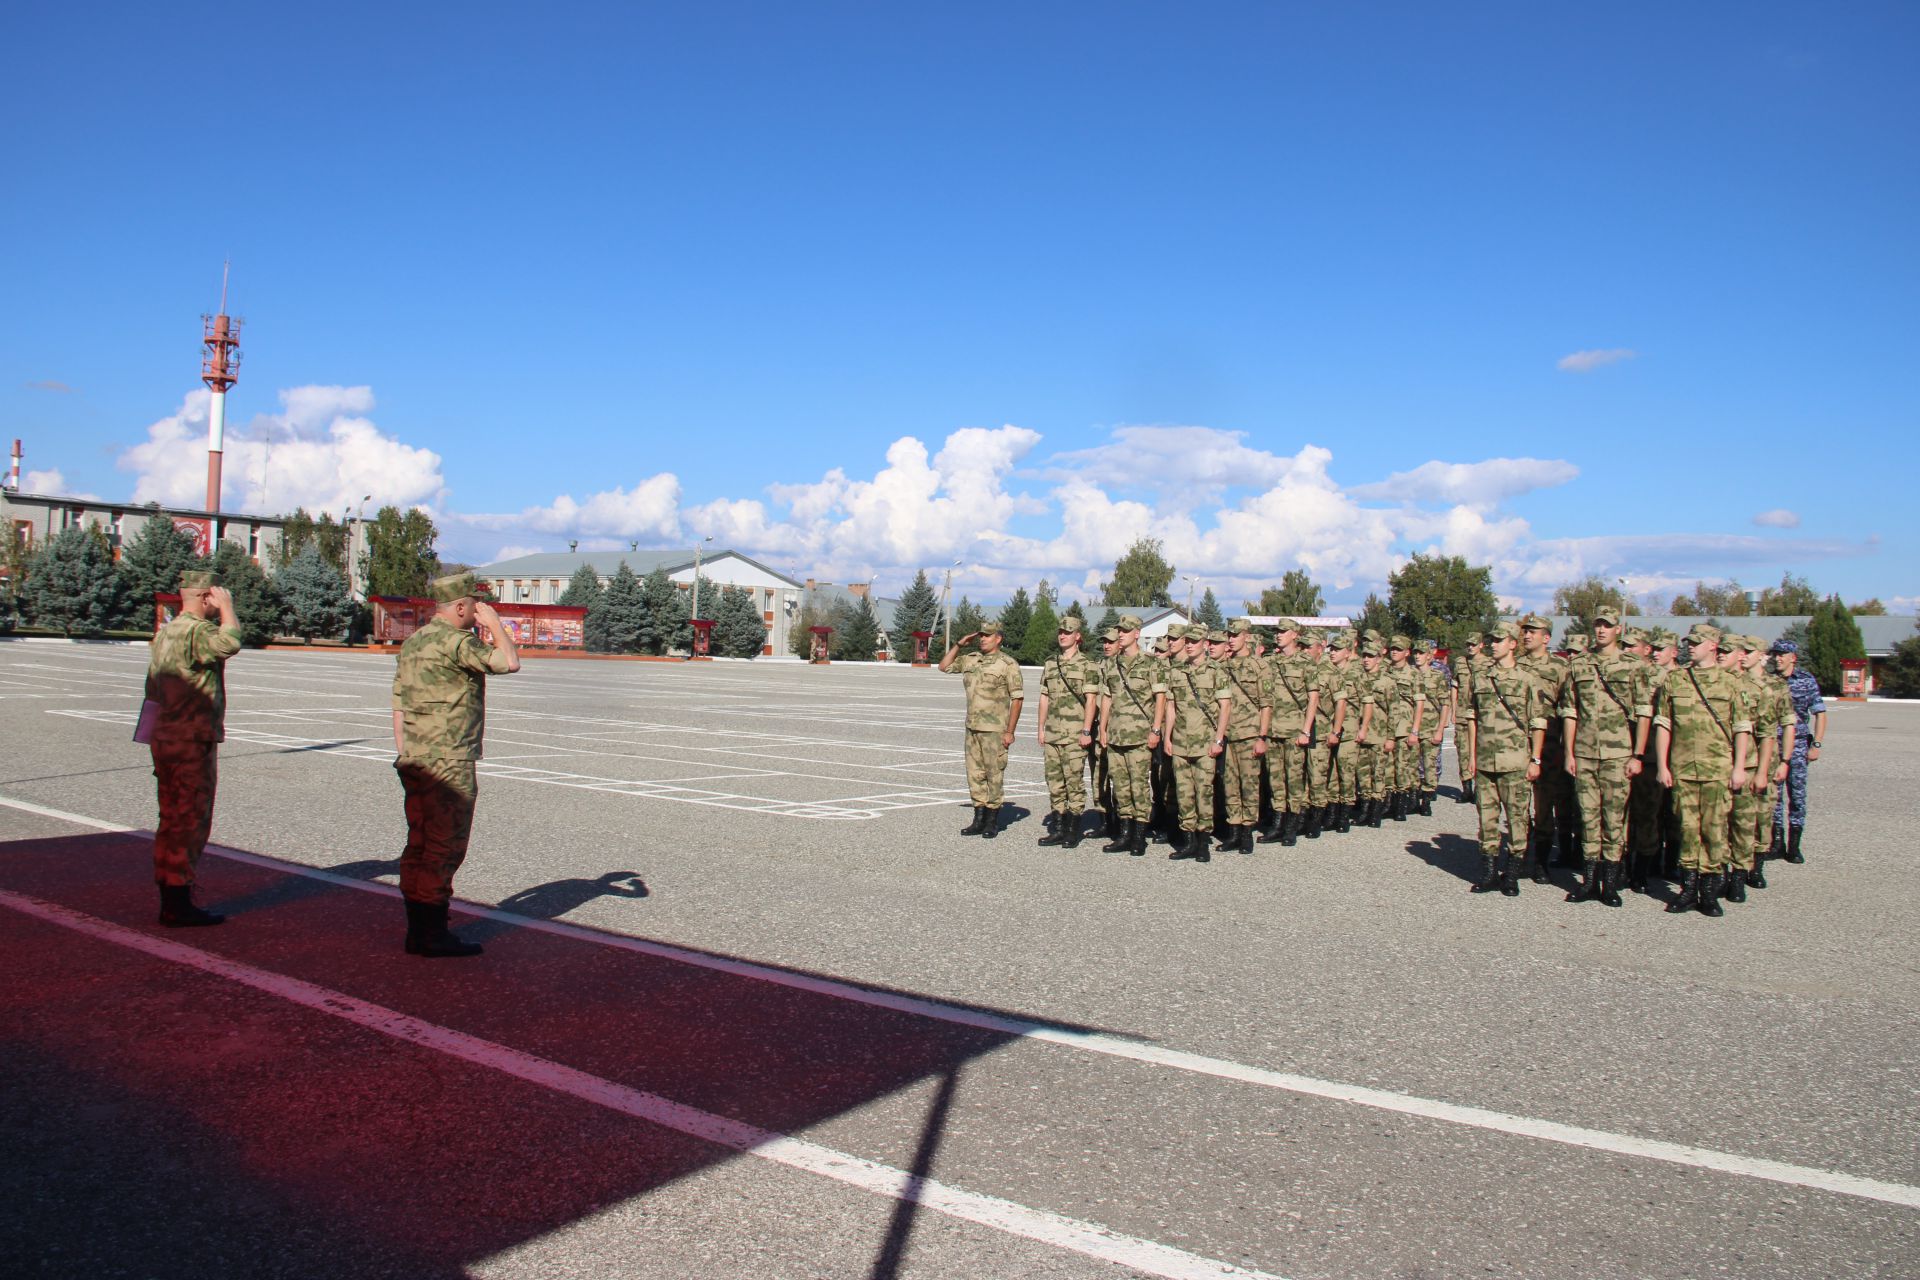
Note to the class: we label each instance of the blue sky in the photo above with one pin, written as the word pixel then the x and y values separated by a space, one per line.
pixel 861 288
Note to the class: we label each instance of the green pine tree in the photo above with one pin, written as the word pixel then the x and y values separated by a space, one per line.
pixel 1832 636
pixel 856 631
pixel 583 588
pixel 967 618
pixel 1014 617
pixel 254 597
pixel 1900 673
pixel 1108 621
pixel 1075 611
pixel 738 630
pixel 917 610
pixel 71 585
pixel 1208 612
pixel 313 596
pixel 617 621
pixel 1043 636
pixel 149 565
pixel 664 612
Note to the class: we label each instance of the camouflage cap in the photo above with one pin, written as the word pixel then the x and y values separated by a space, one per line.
pixel 1073 624
pixel 1701 633
pixel 455 586
pixel 1578 643
pixel 991 629
pixel 1285 624
pixel 1503 631
pixel 1219 637
pixel 1339 640
pixel 1609 615
pixel 1371 634
pixel 1534 622
pixel 1661 638
pixel 1240 626
pixel 1743 642
pixel 1110 635
pixel 1424 646
pixel 1371 649
pixel 200 580
pixel 1400 641
pixel 1632 636
pixel 1129 622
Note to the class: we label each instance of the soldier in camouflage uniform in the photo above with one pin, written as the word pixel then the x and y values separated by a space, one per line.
pixel 1194 734
pixel 1132 707
pixel 1774 733
pixel 439 721
pixel 1345 676
pixel 1743 820
pixel 1466 663
pixel 1605 710
pixel 1703 731
pixel 1666 659
pixel 1373 694
pixel 1643 795
pixel 1069 703
pixel 1408 714
pixel 1103 794
pixel 1438 694
pixel 1292 688
pixel 183 723
pixel 1504 718
pixel 1247 744
pixel 1550 794
pixel 995 693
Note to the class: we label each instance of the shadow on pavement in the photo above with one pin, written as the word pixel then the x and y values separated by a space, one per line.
pixel 1456 855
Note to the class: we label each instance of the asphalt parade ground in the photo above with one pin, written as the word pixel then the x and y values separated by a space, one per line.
pixel 751 1007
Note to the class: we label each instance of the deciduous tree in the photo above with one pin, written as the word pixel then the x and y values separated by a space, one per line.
pixel 400 559
pixel 1140 577
pixel 1441 598
pixel 1297 596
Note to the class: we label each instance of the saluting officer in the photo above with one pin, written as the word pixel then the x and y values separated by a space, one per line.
pixel 995 693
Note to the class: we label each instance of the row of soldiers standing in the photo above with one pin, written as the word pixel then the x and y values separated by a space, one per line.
pixel 1634 755
pixel 1218 735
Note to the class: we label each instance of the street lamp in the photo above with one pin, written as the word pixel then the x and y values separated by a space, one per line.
pixel 698 547
pixel 1191 579
pixel 353 547
pixel 946 602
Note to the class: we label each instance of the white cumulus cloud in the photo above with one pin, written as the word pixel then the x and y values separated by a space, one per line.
pixel 320 452
pixel 1588 361
pixel 1778 518
pixel 1487 483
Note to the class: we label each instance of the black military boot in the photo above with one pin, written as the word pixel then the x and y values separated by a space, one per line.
pixel 1757 878
pixel 1290 829
pixel 1310 826
pixel 1489 878
pixel 1636 873
pixel 1376 811
pixel 1397 806
pixel 978 824
pixel 1776 843
pixel 1056 830
pixel 178 912
pixel 1073 836
pixel 1276 831
pixel 1589 887
pixel 1122 837
pixel 428 935
pixel 1464 795
pixel 1188 846
pixel 1793 846
pixel 1689 894
pixel 1202 847
pixel 1707 900
pixel 1509 885
pixel 1138 848
pixel 1339 816
pixel 1246 839
pixel 1426 803
pixel 991 826
pixel 1610 873
pixel 1733 885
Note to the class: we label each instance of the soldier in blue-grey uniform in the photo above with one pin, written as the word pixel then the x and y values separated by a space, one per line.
pixel 1809 727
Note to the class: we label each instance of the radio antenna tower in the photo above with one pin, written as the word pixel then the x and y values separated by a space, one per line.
pixel 219 369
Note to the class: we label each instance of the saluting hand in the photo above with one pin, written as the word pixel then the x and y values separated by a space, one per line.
pixel 222 601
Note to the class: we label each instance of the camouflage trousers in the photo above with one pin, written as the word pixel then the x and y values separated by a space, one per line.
pixel 1603 788
pixel 1346 774
pixel 1193 791
pixel 1429 763
pixel 1751 810
pixel 1066 764
pixel 1287 776
pixel 440 799
pixel 1323 781
pixel 1460 756
pixel 1371 770
pixel 1403 766
pixel 1501 800
pixel 1132 772
pixel 986 766
pixel 1763 829
pixel 187 774
pixel 1241 783
pixel 1704 809
pixel 1643 815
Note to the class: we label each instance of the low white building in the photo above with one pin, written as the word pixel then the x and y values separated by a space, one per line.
pixel 32 518
pixel 542 579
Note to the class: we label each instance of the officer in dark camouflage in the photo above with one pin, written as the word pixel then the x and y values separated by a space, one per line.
pixel 439 718
pixel 183 723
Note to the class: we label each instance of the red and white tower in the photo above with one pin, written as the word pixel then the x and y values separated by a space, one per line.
pixel 13 475
pixel 219 369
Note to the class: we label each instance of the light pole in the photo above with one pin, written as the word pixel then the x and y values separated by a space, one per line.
pixel 946 604
pixel 353 547
pixel 1191 579
pixel 698 547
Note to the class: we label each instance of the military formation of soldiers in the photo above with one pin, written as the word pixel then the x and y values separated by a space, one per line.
pixel 1616 756
pixel 439 719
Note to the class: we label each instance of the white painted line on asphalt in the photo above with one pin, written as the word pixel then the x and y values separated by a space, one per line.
pixel 1056 1230
pixel 1113 1046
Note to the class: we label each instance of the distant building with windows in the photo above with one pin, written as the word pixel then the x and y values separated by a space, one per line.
pixel 32 518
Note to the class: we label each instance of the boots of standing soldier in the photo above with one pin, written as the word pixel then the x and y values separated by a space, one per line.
pixel 1342 818
pixel 428 935
pixel 1073 833
pixel 1426 803
pixel 1138 848
pixel 178 912
pixel 1689 894
pixel 1757 878
pixel 1509 884
pixel 1290 829
pixel 1610 873
pixel 1542 848
pixel 1589 886
pixel 1636 873
pixel 1793 846
pixel 1056 830
pixel 1122 841
pixel 1707 901
pixel 1376 811
pixel 1777 842
pixel 1187 847
pixel 1489 877
pixel 1464 795
pixel 978 824
pixel 1310 825
pixel 1202 847
pixel 990 825
pixel 1733 885
pixel 1397 806
pixel 1275 832
pixel 1246 839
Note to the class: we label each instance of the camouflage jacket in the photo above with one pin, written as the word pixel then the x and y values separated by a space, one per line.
pixel 1772 710
pixel 186 680
pixel 1134 686
pixel 1290 683
pixel 1376 690
pixel 440 689
pixel 1551 674
pixel 993 685
pixel 1336 689
pixel 1245 680
pixel 1067 684
pixel 1409 692
pixel 1606 695
pixel 1506 705
pixel 1703 709
pixel 1197 692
